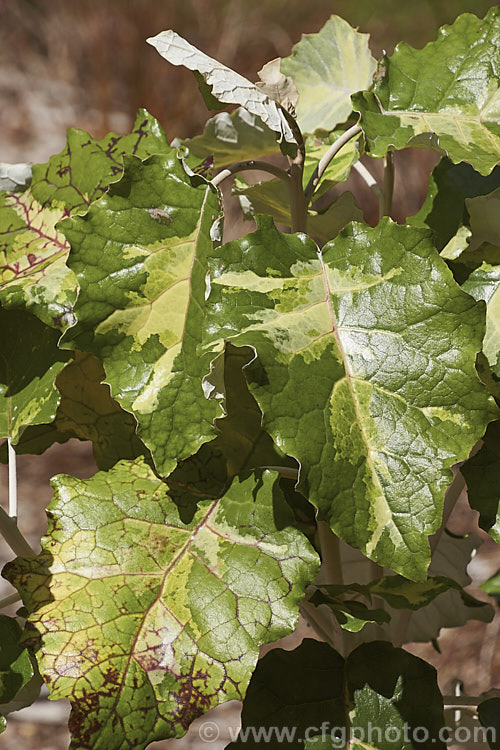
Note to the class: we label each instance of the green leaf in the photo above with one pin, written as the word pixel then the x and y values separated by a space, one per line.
pixel 29 362
pixel 233 137
pixel 311 697
pixel 482 474
pixel 362 375
pixel 327 68
pixel 85 168
pixel 445 208
pixel 224 84
pixel 484 284
pixel 19 680
pixel 489 715
pixel 152 232
pixel 146 622
pixel 271 197
pixel 34 273
pixel 449 88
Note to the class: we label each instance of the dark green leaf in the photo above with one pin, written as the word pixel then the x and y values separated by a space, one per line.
pixel 29 362
pixel 311 697
pixel 489 715
pixel 19 680
pixel 444 209
pixel 482 474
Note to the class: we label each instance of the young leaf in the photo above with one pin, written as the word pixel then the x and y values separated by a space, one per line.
pixel 351 615
pixel 327 68
pixel 20 682
pixel 362 375
pixel 449 88
pixel 233 137
pixel 28 367
pixel 146 622
pixel 224 84
pixel 278 86
pixel 338 170
pixel 152 232
pixel 311 697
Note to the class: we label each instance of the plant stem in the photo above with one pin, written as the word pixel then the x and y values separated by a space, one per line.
pixel 369 179
pixel 352 132
pixel 249 164
pixel 8 600
pixel 331 564
pixel 12 479
pixel 386 203
pixel 284 471
pixel 13 537
pixel 298 202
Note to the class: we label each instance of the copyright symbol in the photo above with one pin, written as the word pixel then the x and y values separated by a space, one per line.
pixel 208 731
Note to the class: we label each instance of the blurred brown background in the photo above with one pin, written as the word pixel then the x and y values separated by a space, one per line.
pixel 85 63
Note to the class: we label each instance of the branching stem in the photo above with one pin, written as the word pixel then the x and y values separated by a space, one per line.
pixel 351 132
pixel 249 164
